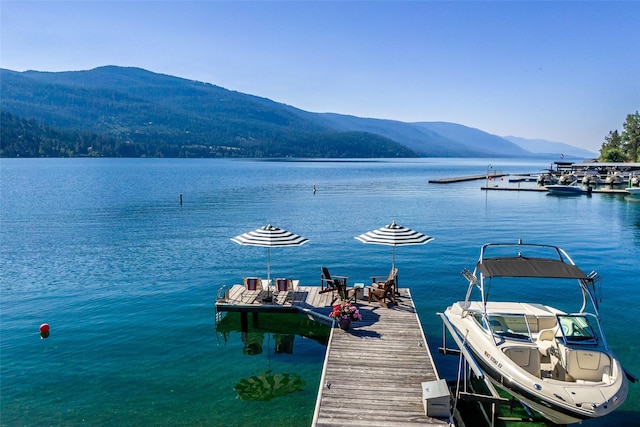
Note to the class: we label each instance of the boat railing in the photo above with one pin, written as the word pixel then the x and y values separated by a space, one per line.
pixel 537 247
pixel 589 286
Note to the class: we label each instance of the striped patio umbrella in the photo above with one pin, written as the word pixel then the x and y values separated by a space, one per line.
pixel 394 235
pixel 269 236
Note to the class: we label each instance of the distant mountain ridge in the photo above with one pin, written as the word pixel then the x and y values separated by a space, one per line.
pixel 541 146
pixel 135 112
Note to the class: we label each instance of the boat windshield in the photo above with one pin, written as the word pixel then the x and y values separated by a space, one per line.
pixel 577 330
pixel 507 326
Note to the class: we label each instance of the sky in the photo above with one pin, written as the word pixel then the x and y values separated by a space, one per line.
pixel 564 71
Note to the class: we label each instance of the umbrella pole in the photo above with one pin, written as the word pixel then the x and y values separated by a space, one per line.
pixel 268 297
pixel 393 261
pixel 393 265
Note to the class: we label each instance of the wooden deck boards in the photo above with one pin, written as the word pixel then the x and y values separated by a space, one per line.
pixel 373 372
pixel 465 178
pixel 303 296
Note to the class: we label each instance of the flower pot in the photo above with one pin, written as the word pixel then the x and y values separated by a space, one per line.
pixel 344 324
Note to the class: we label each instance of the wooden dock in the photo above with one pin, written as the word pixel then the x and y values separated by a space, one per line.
pixel 602 190
pixel 305 300
pixel 372 372
pixel 466 178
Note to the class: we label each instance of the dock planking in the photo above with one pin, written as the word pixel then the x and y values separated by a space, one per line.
pixel 602 190
pixel 373 372
pixel 301 297
pixel 465 178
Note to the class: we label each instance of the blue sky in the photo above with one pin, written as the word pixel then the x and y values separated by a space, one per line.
pixel 562 71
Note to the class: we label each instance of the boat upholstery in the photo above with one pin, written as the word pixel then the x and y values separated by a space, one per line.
pixel 546 340
pixel 586 365
pixel 528 358
pixel 539 324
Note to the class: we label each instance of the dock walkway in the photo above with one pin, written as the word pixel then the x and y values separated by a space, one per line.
pixel 372 372
pixel 465 178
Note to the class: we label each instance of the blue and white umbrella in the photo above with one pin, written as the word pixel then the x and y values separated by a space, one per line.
pixel 269 236
pixel 394 235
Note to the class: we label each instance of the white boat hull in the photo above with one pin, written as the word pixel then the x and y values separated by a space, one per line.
pixel 566 190
pixel 562 402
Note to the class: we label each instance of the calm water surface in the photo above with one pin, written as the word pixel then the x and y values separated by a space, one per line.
pixel 102 251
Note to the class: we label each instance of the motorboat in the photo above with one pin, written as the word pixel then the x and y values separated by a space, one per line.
pixel 566 189
pixel 556 363
pixel 591 177
pixel 614 178
pixel 567 178
pixel 545 178
pixel 634 192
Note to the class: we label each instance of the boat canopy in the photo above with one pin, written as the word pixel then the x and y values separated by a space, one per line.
pixel 529 267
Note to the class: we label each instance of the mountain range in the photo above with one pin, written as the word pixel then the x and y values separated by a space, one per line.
pixel 124 111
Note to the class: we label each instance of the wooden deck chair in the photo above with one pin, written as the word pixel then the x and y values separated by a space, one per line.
pixel 381 294
pixel 328 283
pixel 252 288
pixel 283 287
pixel 376 282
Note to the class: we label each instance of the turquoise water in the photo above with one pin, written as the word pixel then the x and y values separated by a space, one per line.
pixel 102 251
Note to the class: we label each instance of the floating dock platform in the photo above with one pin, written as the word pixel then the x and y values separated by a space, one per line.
pixel 373 372
pixel 465 178
pixel 544 189
pixel 599 189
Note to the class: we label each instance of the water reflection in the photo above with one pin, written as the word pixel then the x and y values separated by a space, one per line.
pixel 284 343
pixel 281 327
pixel 263 333
pixel 268 386
pixel 252 343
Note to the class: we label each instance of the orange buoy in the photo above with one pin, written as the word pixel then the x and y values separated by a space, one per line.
pixel 44 328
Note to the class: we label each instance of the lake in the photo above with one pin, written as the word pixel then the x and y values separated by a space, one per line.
pixel 126 276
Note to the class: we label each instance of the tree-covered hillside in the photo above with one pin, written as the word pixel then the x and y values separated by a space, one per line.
pixel 141 113
pixel 29 138
pixel 135 112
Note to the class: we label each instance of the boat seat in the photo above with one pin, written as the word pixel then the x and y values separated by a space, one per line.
pixel 546 323
pixel 546 340
pixel 587 365
pixel 539 323
pixel 528 358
